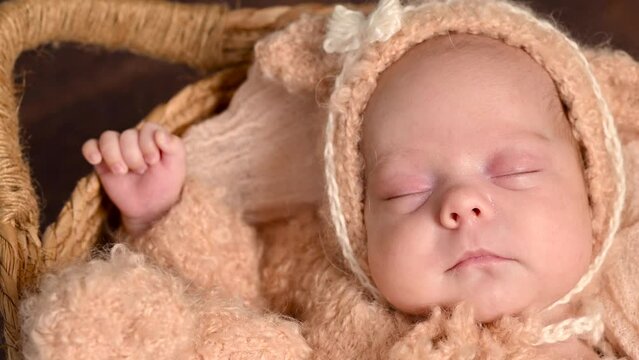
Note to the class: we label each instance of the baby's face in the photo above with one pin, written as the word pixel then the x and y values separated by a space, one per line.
pixel 474 187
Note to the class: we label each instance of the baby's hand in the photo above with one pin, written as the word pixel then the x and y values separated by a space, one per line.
pixel 142 171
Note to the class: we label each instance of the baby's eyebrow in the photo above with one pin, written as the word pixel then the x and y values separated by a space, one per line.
pixel 370 171
pixel 377 163
pixel 533 135
pixel 387 156
pixel 380 160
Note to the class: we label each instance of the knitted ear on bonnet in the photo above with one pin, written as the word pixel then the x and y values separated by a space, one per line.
pixel 360 48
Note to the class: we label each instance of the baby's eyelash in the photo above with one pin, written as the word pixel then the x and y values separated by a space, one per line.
pixel 395 197
pixel 516 173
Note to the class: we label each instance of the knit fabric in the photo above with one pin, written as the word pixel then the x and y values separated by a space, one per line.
pixel 218 267
pixel 192 293
pixel 203 263
pixel 259 152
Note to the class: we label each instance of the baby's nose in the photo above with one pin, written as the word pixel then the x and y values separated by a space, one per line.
pixel 463 205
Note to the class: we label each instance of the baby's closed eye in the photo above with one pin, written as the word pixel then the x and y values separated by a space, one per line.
pixel 406 201
pixel 390 185
pixel 400 192
pixel 405 194
pixel 518 178
pixel 515 170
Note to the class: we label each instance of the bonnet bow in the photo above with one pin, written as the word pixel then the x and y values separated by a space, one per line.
pixel 349 29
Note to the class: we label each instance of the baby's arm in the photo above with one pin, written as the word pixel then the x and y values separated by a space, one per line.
pixel 179 223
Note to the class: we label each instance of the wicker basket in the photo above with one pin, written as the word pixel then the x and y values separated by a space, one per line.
pixel 204 36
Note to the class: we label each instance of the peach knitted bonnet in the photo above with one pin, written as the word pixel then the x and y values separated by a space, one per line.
pixel 367 45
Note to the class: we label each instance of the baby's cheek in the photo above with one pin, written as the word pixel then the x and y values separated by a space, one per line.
pixel 403 259
pixel 559 239
pixel 408 242
pixel 573 222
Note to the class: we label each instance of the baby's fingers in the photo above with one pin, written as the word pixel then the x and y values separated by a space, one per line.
pixel 168 143
pixel 91 152
pixel 109 145
pixel 148 146
pixel 130 148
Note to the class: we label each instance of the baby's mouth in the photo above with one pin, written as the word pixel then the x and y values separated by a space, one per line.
pixel 479 257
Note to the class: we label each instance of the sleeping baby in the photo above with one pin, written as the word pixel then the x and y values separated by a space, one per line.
pixel 474 185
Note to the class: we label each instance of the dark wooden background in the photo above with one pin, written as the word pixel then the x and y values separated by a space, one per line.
pixel 71 93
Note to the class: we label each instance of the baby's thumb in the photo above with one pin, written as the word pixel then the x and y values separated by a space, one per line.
pixel 171 147
pixel 169 144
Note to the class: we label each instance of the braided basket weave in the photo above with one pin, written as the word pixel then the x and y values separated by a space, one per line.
pixel 204 36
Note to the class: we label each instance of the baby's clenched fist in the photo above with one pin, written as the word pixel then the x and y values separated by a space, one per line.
pixel 142 172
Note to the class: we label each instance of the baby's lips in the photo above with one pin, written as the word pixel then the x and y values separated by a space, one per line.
pixel 476 256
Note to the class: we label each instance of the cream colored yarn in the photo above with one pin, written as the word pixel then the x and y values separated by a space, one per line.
pixel 350 33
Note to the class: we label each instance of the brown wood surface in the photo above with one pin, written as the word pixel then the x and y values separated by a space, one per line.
pixel 70 94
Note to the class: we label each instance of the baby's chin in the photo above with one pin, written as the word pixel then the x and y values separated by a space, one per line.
pixel 490 293
pixel 487 314
pixel 480 314
pixel 485 309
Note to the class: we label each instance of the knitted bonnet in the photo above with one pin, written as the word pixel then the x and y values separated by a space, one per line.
pixel 357 48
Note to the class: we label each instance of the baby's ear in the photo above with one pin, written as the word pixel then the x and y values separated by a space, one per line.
pixel 294 55
pixel 618 75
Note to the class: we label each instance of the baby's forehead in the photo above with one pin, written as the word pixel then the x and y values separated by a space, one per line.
pixel 456 62
pixel 468 46
pixel 462 59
